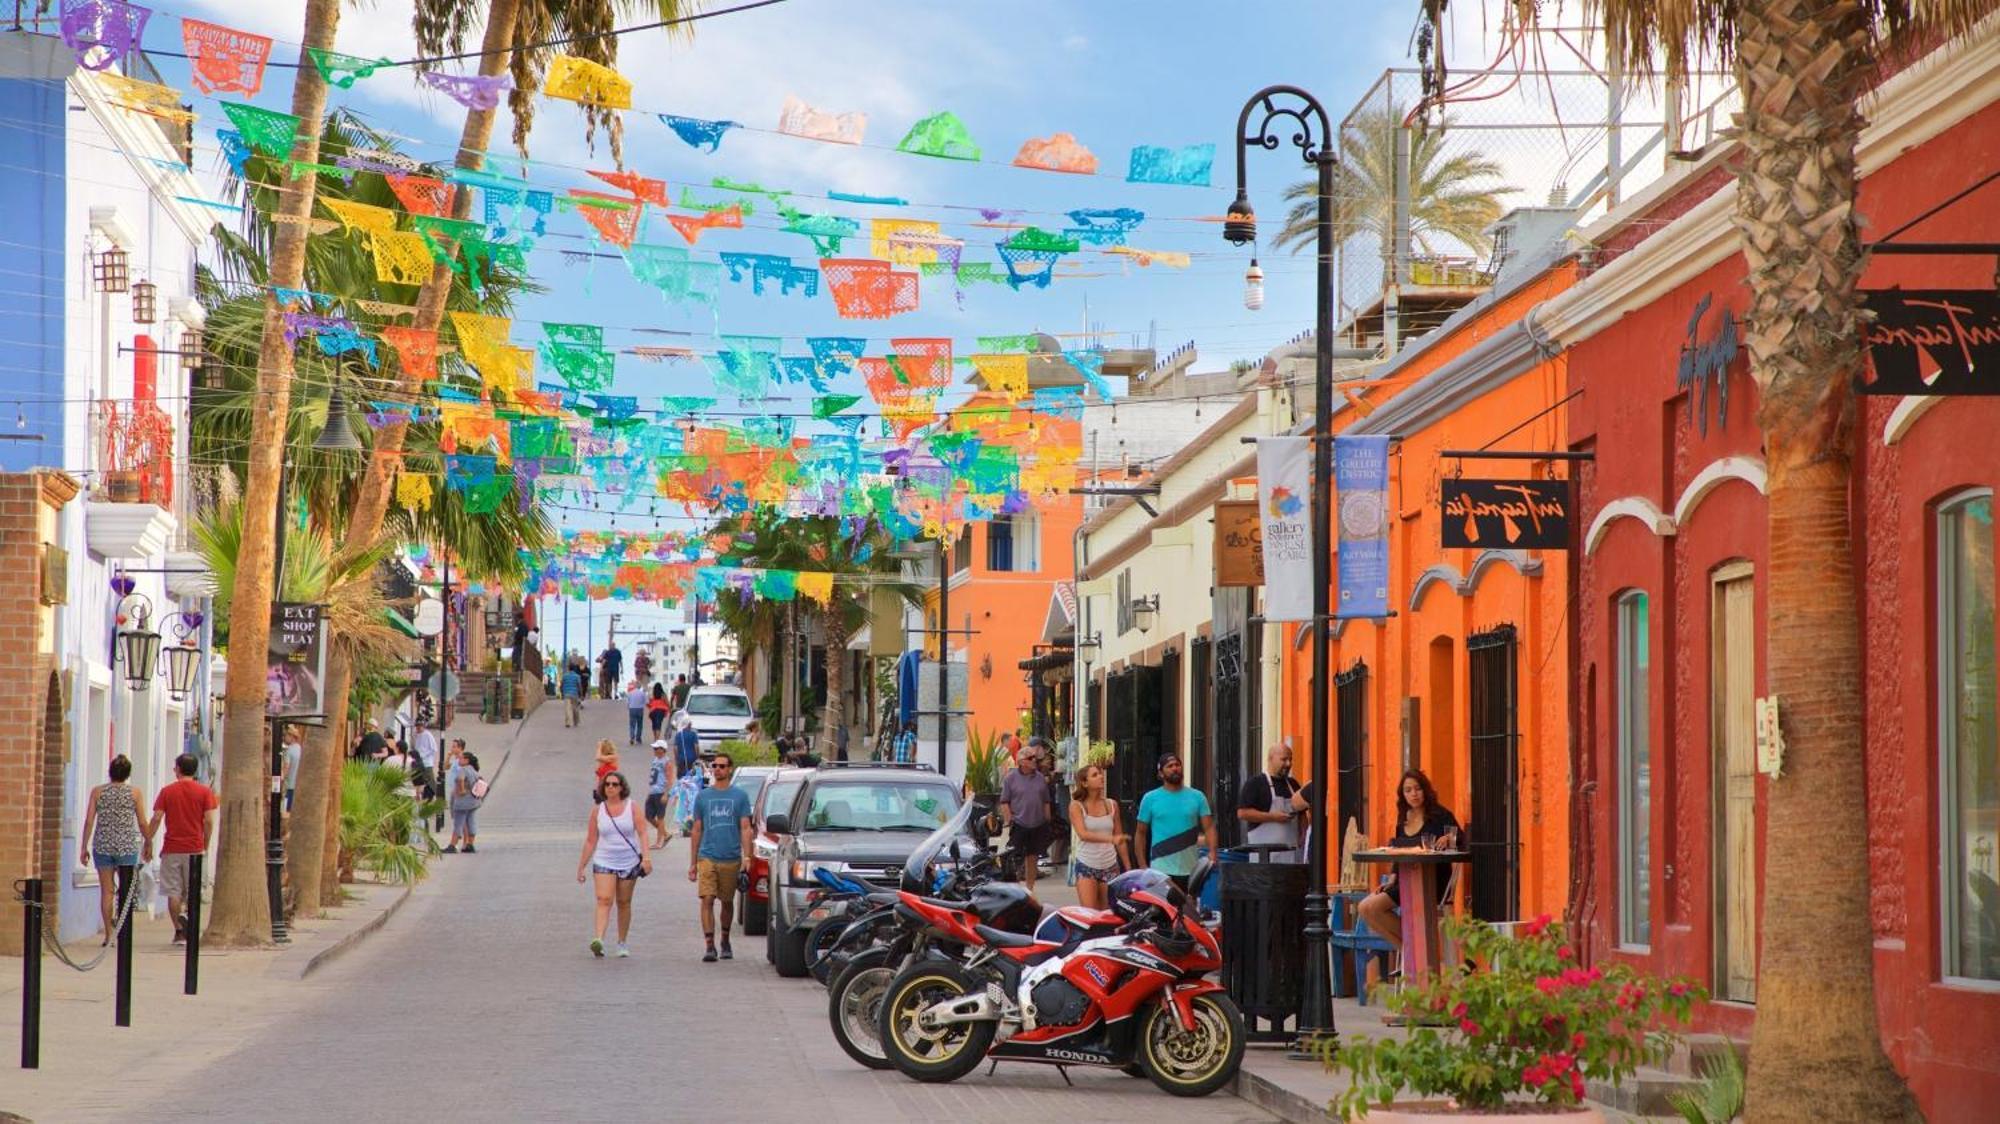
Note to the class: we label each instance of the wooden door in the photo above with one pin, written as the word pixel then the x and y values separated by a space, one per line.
pixel 1732 686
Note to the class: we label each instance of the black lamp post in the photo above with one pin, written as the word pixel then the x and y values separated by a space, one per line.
pixel 1278 104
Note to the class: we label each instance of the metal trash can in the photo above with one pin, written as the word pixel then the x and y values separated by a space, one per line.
pixel 1263 937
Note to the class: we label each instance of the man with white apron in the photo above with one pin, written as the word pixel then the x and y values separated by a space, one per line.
pixel 1270 808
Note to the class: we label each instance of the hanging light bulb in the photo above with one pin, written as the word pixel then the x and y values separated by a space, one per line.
pixel 20 416
pixel 1253 286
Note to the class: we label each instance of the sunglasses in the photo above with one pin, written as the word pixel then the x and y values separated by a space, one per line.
pixel 609 785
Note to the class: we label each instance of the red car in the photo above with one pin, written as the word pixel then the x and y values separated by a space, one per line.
pixel 778 788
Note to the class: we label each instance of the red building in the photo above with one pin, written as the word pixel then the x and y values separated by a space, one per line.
pixel 1671 611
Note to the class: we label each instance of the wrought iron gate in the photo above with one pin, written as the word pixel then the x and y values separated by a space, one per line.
pixel 1494 828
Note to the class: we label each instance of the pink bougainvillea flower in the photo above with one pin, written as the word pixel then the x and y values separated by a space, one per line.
pixel 1470 1028
pixel 1534 928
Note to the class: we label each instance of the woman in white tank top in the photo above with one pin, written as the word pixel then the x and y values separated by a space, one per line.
pixel 1101 842
pixel 614 850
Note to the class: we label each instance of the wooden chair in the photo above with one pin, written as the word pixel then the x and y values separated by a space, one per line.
pixel 1352 943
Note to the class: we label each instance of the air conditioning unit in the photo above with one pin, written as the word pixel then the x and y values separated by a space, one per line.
pixel 1522 233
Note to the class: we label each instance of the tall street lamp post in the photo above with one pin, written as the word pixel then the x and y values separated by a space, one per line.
pixel 1277 105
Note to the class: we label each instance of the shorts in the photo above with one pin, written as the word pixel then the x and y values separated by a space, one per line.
pixel 174 874
pixel 631 875
pixel 656 805
pixel 106 862
pixel 714 878
pixel 1101 874
pixel 1022 840
pixel 462 821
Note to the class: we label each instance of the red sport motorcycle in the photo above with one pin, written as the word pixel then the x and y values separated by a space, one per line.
pixel 1138 995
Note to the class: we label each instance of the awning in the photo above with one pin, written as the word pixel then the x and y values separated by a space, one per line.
pixel 1059 625
pixel 401 624
pixel 1049 661
pixel 861 640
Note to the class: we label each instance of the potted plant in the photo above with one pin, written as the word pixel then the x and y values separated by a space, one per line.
pixel 1518 1026
pixel 984 760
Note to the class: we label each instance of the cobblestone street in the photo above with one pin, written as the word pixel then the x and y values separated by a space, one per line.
pixel 479 1001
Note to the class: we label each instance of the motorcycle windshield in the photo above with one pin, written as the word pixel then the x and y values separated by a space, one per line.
pixel 917 870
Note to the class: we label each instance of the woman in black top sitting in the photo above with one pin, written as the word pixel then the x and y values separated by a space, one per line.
pixel 1420 822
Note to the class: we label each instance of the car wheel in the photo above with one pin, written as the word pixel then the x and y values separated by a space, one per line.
pixel 788 952
pixel 854 1003
pixel 756 916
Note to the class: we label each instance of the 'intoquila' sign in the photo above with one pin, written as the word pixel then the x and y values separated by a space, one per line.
pixel 1954 333
pixel 1506 514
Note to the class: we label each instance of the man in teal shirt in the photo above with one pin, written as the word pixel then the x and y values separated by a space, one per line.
pixel 1172 820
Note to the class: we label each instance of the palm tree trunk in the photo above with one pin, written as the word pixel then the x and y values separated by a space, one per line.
pixel 315 796
pixel 242 914
pixel 371 505
pixel 835 711
pixel 1816 1052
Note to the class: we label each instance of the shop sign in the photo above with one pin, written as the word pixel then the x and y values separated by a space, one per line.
pixel 1705 362
pixel 1506 514
pixel 1953 332
pixel 1239 543
pixel 295 667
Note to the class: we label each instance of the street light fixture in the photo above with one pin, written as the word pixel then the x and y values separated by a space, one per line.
pixel 1145 610
pixel 138 646
pixel 338 434
pixel 1290 112
pixel 1087 647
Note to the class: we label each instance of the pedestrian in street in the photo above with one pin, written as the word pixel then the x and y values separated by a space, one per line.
pixel 114 832
pixel 635 712
pixel 680 699
pixel 458 785
pixel 906 743
pixel 1420 822
pixel 1024 807
pixel 658 709
pixel 425 765
pixel 188 808
pixel 294 746
pixel 393 756
pixel 659 778
pixel 1103 850
pixel 572 696
pixel 687 748
pixel 715 853
pixel 690 777
pixel 1173 820
pixel 609 663
pixel 840 739
pixel 369 747
pixel 1059 841
pixel 614 850
pixel 1268 805
pixel 607 763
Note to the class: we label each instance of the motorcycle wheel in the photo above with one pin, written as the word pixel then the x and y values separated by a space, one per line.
pixel 855 1002
pixel 947 1053
pixel 1192 1063
pixel 819 942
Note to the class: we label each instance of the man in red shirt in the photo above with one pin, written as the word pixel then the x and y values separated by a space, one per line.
pixel 188 807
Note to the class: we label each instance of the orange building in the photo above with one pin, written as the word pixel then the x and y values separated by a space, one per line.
pixel 1468 679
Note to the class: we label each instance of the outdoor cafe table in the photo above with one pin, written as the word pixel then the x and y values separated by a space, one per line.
pixel 1417 879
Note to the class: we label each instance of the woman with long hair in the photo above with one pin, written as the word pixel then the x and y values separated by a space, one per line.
pixel 114 830
pixel 614 852
pixel 1421 822
pixel 1102 847
pixel 657 708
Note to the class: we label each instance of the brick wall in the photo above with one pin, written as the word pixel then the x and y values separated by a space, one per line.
pixel 32 752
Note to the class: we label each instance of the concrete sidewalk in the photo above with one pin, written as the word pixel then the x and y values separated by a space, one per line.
pixel 89 1065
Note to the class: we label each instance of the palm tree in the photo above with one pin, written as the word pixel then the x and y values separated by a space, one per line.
pixel 484 547
pixel 242 913
pixel 1454 197
pixel 1802 67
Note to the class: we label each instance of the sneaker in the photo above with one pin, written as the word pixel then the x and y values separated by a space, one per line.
pixel 469 849
pixel 597 947
pixel 709 956
pixel 726 953
pixel 452 849
pixel 622 952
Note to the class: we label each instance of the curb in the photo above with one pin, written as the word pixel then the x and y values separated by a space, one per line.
pixel 1278 1100
pixel 353 937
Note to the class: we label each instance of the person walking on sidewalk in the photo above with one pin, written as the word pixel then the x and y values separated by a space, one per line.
pixel 657 709
pixel 1102 847
pixel 114 831
pixel 188 807
pixel 572 696
pixel 715 852
pixel 635 712
pixel 459 784
pixel 614 851
pixel 607 763
pixel 294 746
pixel 1173 818
pixel 1024 805
pixel 609 664
pixel 659 778
pixel 680 698
pixel 424 765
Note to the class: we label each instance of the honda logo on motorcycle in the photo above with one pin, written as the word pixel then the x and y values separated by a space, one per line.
pixel 1097 973
pixel 1077 1056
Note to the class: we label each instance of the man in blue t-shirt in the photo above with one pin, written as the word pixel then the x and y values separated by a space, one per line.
pixel 572 696
pixel 1172 820
pixel 715 852
pixel 687 749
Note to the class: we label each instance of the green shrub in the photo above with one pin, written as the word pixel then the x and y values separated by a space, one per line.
pixel 1718 1099
pixel 382 826
pixel 984 759
pixel 748 753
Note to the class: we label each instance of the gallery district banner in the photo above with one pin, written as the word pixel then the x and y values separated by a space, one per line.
pixel 1284 488
pixel 1361 483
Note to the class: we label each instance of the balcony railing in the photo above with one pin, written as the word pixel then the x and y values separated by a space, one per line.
pixel 136 446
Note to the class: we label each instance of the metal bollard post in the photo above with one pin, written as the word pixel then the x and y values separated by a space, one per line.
pixel 191 975
pixel 127 886
pixel 31 972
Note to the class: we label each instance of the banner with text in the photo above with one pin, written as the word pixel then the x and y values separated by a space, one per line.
pixel 1361 484
pixel 1284 490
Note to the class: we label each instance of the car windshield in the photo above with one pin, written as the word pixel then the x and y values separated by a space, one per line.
pixel 779 799
pixel 751 780
pixel 861 805
pixel 731 706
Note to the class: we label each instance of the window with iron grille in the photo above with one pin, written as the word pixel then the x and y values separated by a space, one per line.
pixel 1494 735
